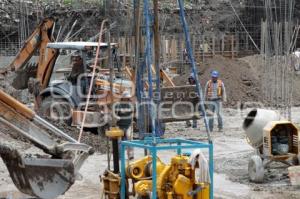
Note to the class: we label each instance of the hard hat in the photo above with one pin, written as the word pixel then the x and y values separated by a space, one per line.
pixel 214 73
pixel 126 94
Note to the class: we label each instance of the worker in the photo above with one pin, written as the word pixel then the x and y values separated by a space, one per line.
pixel 185 55
pixel 77 68
pixel 191 81
pixel 124 113
pixel 215 94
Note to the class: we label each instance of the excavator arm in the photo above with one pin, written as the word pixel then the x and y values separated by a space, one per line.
pixel 37 41
pixel 46 175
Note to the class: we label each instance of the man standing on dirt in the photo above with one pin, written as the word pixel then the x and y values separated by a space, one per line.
pixel 215 94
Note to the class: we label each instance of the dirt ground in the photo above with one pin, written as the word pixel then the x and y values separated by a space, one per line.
pixel 231 151
pixel 231 154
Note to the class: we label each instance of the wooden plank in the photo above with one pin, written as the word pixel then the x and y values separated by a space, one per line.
pixel 167 78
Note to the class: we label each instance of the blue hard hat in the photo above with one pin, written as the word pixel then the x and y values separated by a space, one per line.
pixel 214 73
pixel 192 76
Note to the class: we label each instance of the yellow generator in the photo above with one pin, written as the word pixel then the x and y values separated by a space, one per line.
pixel 176 180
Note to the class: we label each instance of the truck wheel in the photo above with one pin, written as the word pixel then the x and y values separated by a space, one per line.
pixel 56 110
pixel 256 169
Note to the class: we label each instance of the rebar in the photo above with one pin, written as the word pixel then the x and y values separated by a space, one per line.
pixel 279 35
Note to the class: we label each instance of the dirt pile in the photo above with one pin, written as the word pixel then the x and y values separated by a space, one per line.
pixel 241 82
pixel 242 78
pixel 6 84
pixel 98 142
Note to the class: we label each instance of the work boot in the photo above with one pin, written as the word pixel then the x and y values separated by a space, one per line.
pixel 220 130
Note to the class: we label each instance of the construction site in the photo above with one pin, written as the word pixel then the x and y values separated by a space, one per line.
pixel 170 99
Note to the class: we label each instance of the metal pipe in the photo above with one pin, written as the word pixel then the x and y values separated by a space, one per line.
pixel 157 61
pixel 148 65
pixel 193 64
pixel 116 155
pixel 211 170
pixel 123 172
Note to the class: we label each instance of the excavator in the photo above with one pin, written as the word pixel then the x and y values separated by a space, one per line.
pixel 51 172
pixel 58 99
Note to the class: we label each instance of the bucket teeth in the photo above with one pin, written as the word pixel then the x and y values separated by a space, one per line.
pixel 41 177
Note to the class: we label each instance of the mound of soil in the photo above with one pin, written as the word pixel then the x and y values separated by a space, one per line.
pixel 241 82
pixel 242 78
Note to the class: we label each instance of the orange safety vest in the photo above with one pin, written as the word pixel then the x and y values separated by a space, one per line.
pixel 210 88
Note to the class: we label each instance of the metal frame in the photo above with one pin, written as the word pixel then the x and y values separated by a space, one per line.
pixel 154 144
pixel 162 145
pixel 193 64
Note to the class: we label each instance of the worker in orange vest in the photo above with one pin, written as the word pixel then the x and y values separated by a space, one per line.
pixel 215 94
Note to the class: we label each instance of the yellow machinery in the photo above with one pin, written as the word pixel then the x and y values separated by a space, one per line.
pixel 280 140
pixel 174 180
pixel 274 141
pixel 111 183
pixel 149 177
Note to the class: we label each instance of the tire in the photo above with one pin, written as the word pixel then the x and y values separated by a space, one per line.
pixel 56 110
pixel 256 169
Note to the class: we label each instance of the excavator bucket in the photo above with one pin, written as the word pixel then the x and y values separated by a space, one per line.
pixel 41 177
pixel 46 175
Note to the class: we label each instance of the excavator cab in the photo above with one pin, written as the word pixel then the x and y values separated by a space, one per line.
pixel 41 77
pixel 68 85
